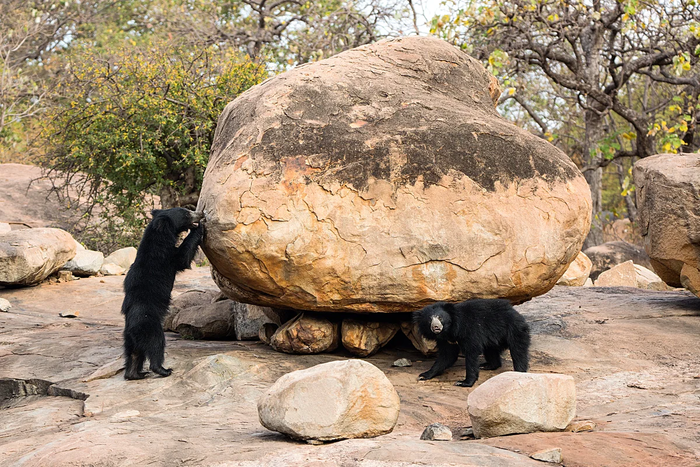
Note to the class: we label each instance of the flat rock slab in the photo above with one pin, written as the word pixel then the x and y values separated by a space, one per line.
pixel 632 352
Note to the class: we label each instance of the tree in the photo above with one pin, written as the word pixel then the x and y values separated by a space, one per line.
pixel 139 121
pixel 630 68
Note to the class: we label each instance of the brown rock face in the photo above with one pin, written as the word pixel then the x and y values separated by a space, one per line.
pixel 381 180
pixel 668 189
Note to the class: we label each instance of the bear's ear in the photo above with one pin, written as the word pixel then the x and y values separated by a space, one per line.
pixel 155 212
pixel 161 223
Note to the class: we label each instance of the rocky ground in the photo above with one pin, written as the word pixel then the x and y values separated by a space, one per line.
pixel 634 355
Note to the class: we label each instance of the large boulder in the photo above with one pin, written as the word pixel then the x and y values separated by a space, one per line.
pixel 383 179
pixel 513 402
pixel 668 189
pixel 29 256
pixel 335 400
pixel 610 254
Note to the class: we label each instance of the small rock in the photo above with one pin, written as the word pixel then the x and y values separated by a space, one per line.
pixel 365 338
pixel 123 257
pixel 5 305
pixel 548 455
pixel 69 314
pixel 647 279
pixel 64 276
pixel 437 432
pixel 111 269
pixel 402 362
pixel 577 273
pixel 306 334
pixel 514 402
pixel 580 425
pixel 331 401
pixel 610 254
pixel 468 433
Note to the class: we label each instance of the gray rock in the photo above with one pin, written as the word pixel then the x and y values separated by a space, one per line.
pixel 188 299
pixel 402 362
pixel 514 402
pixel 29 256
pixel 85 263
pixel 548 455
pixel 5 305
pixel 331 401
pixel 437 432
pixel 248 319
pixel 212 321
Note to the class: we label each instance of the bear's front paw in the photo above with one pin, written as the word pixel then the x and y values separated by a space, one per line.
pixel 465 384
pixel 425 376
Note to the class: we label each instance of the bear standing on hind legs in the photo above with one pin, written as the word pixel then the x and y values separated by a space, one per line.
pixel 148 285
pixel 474 327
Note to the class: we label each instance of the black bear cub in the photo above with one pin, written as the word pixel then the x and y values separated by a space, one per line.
pixel 148 285
pixel 474 327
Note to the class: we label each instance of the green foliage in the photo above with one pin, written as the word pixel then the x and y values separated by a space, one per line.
pixel 139 121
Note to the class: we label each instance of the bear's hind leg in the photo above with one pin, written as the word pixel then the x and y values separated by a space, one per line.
pixel 519 344
pixel 493 359
pixel 134 366
pixel 156 355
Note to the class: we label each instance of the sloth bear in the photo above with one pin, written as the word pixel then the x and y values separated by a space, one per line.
pixel 474 327
pixel 148 285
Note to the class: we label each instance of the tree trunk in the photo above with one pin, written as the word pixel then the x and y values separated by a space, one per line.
pixel 595 131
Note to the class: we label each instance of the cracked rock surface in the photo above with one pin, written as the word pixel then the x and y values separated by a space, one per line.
pixel 383 179
pixel 633 354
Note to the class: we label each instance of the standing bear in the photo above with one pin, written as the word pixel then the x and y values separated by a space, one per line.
pixel 148 285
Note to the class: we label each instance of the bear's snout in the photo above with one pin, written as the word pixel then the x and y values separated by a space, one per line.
pixel 196 216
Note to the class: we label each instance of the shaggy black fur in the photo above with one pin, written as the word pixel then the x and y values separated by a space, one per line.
pixel 148 285
pixel 474 327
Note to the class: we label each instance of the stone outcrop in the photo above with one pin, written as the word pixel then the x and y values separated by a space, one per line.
pixel 610 254
pixel 29 256
pixel 578 271
pixel 364 338
pixel 331 401
pixel 383 179
pixel 306 334
pixel 513 402
pixel 668 189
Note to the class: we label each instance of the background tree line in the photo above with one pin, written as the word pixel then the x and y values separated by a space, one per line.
pixel 118 100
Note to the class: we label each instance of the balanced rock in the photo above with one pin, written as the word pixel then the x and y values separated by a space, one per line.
pixel 306 334
pixel 610 254
pixel 85 263
pixel 381 178
pixel 514 402
pixel 577 273
pixel 669 216
pixel 29 256
pixel 364 338
pixel 331 401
